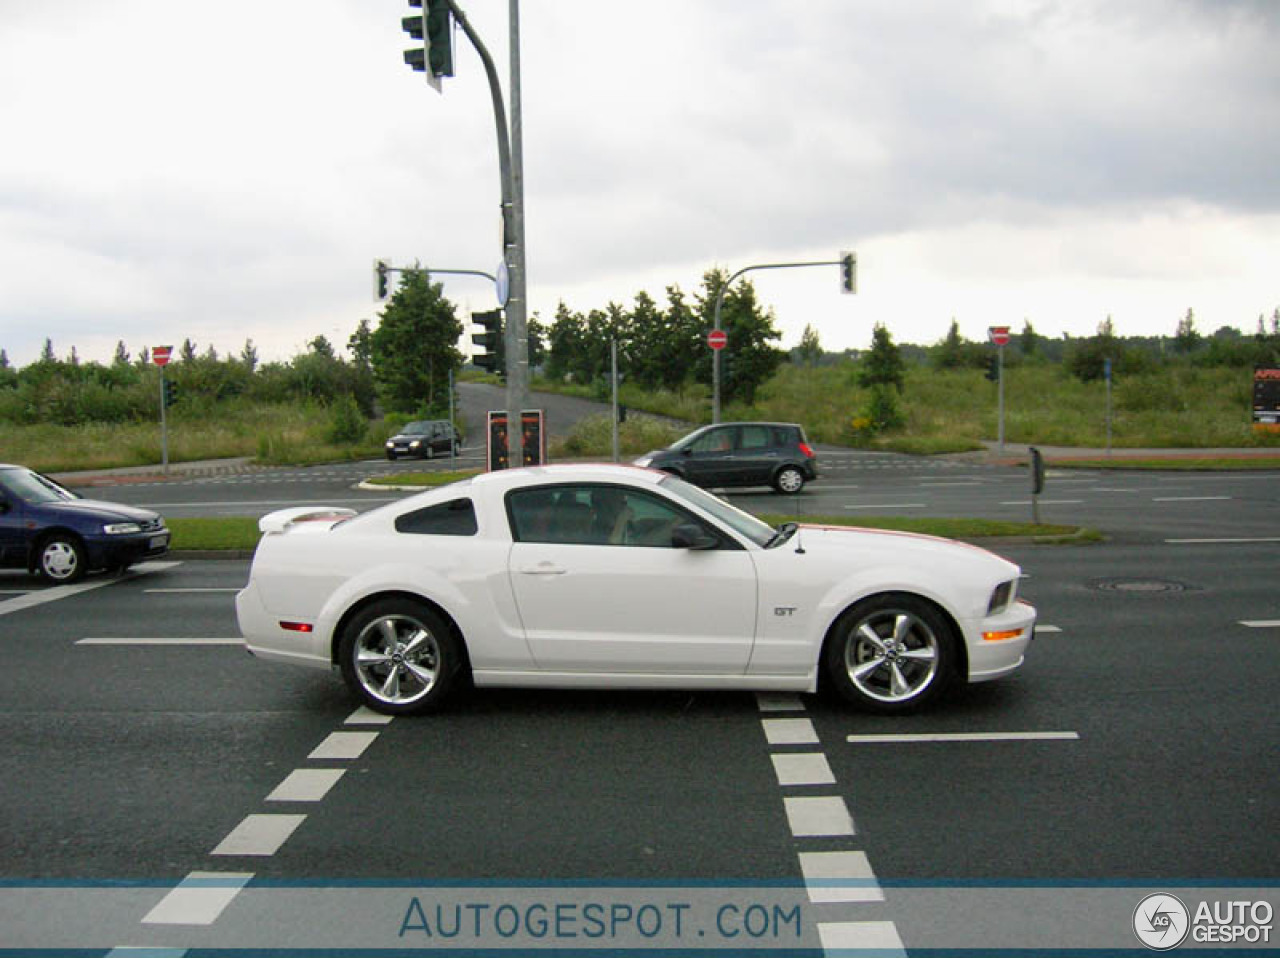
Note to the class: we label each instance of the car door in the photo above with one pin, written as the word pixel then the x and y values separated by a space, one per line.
pixel 755 456
pixel 601 588
pixel 710 461
pixel 13 546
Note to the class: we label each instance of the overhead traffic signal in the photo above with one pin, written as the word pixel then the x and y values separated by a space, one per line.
pixel 849 272
pixel 435 29
pixel 489 355
pixel 381 279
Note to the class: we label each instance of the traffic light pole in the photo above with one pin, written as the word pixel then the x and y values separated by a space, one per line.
pixel 510 168
pixel 164 425
pixel 715 358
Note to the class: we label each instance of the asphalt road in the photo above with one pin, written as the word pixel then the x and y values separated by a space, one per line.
pixel 1152 683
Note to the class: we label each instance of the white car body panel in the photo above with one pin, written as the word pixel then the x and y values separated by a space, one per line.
pixel 577 615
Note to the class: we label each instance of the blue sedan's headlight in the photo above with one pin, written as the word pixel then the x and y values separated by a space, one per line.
pixel 122 528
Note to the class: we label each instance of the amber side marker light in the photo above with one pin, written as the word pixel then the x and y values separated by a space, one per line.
pixel 296 626
pixel 1001 636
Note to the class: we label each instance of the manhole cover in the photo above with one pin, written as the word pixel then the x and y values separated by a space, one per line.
pixel 1140 586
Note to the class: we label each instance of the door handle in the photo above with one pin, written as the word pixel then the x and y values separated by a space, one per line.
pixel 543 568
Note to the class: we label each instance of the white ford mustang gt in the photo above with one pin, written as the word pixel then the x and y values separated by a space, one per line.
pixel 613 576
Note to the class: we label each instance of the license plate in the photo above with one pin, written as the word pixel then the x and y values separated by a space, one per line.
pixel 158 541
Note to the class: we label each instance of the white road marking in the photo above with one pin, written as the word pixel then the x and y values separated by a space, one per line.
pixel 807 768
pixel 964 737
pixel 343 745
pixel 1045 502
pixel 259 835
pixel 820 815
pixel 53 594
pixel 879 936
pixel 839 877
pixel 789 732
pixel 199 899
pixel 1191 499
pixel 184 591
pixel 1262 624
pixel 885 505
pixel 779 702
pixel 1047 630
pixel 306 785
pixel 193 642
pixel 367 716
pixel 1183 542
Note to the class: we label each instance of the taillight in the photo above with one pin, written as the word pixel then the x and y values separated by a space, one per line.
pixel 808 450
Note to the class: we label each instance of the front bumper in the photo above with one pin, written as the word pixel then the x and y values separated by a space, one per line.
pixel 112 552
pixel 999 643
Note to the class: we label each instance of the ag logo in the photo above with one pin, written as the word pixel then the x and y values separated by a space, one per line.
pixel 1161 921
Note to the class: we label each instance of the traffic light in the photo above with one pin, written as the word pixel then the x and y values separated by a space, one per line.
pixel 435 29
pixel 849 272
pixel 489 355
pixel 381 279
pixel 168 392
pixel 993 368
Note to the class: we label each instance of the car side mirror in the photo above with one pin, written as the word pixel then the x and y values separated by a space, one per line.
pixel 687 535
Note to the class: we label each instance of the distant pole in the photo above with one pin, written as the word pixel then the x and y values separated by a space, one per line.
pixel 613 359
pixel 164 427
pixel 1106 368
pixel 1000 391
pixel 453 446
pixel 517 305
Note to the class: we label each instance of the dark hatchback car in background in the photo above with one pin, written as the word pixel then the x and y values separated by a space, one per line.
pixel 48 529
pixel 740 454
pixel 423 439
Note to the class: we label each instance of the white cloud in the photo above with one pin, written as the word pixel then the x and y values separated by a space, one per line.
pixel 229 172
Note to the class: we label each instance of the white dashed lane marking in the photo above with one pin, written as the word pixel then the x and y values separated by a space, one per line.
pixel 343 745
pixel 839 877
pixel 818 816
pixel 259 835
pixel 963 737
pixel 790 731
pixel 306 785
pixel 878 936
pixel 807 768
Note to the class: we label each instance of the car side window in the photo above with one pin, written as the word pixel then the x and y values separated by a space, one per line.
pixel 717 440
pixel 600 515
pixel 757 437
pixel 454 518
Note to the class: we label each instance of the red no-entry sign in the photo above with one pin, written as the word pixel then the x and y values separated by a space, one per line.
pixel 717 339
pixel 999 335
pixel 160 355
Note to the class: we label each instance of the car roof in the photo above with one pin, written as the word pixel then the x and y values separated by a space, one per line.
pixel 504 479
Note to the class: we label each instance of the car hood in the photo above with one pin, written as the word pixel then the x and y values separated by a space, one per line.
pixel 884 546
pixel 94 509
pixel 407 436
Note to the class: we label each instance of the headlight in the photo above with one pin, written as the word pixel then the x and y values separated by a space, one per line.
pixel 122 528
pixel 390 444
pixel 415 444
pixel 1001 597
pixel 644 462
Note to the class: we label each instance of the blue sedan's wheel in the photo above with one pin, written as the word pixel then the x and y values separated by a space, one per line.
pixel 891 653
pixel 61 559
pixel 399 657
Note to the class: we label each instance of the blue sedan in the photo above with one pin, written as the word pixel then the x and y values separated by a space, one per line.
pixel 48 529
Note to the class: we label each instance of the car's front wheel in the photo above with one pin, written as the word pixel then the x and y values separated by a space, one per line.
pixel 399 656
pixel 891 653
pixel 61 559
pixel 789 480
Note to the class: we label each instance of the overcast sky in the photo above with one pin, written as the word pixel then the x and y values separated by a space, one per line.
pixel 228 171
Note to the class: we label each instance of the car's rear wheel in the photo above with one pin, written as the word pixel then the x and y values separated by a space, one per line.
pixel 399 656
pixel 61 559
pixel 891 653
pixel 789 480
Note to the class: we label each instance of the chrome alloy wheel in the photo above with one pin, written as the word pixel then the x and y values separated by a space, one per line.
pixel 892 656
pixel 396 659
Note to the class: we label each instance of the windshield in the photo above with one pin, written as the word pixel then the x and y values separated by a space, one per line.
pixel 688 440
pixel 740 522
pixel 32 487
pixel 416 428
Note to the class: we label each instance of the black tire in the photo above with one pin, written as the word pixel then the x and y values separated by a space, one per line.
pixel 61 558
pixel 399 657
pixel 891 653
pixel 788 480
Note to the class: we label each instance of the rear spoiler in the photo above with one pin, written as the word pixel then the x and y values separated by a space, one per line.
pixel 282 519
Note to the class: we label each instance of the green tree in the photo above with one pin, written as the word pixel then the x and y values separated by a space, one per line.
pixel 122 354
pixel 750 359
pixel 1186 340
pixel 249 355
pixel 883 364
pixel 809 352
pixel 1029 340
pixel 414 348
